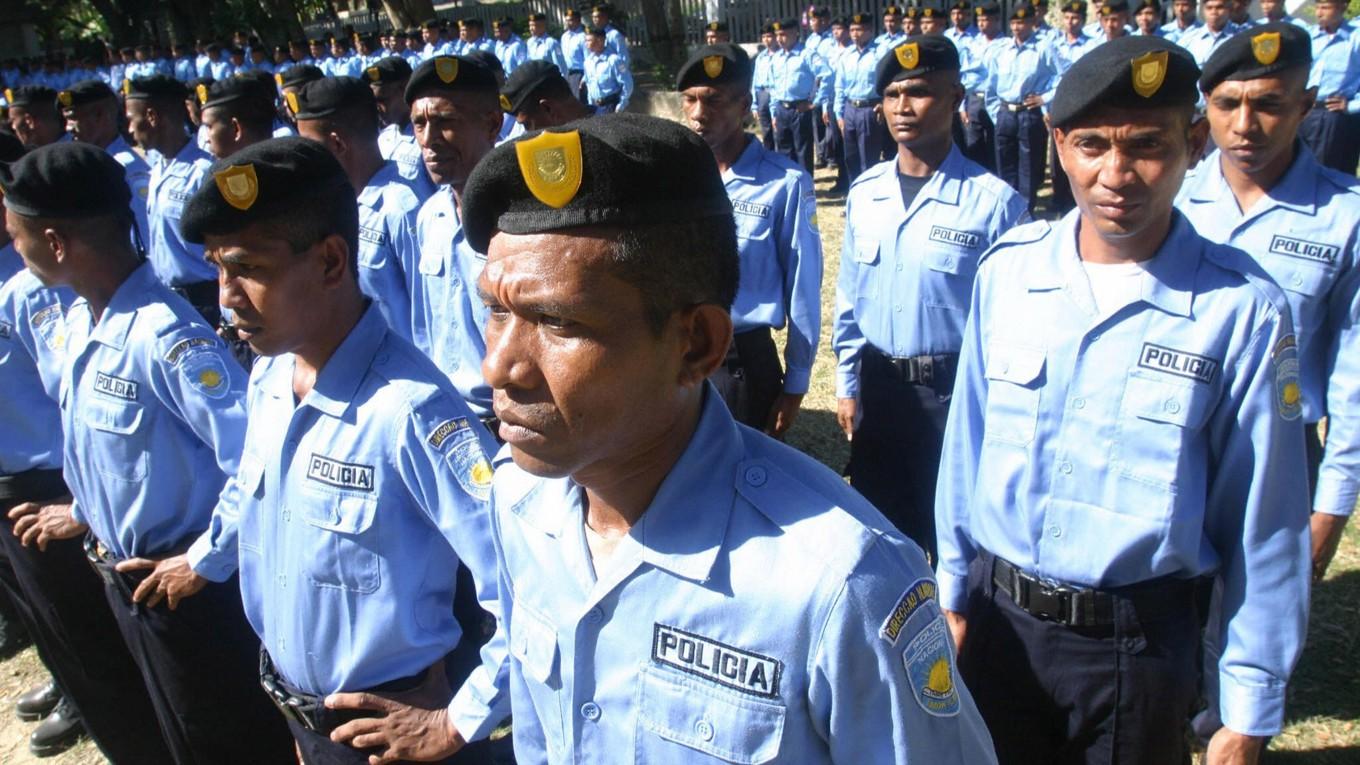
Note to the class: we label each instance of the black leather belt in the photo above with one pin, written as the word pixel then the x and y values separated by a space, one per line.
pixel 863 103
pixel 1085 606
pixel 199 293
pixel 32 486
pixel 794 105
pixel 1013 107
pixel 610 100
pixel 308 709
pixel 919 370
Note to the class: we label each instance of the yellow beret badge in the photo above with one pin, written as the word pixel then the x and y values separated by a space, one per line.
pixel 239 186
pixel 551 166
pixel 1149 71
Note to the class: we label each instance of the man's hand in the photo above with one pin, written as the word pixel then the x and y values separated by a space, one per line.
pixel 44 523
pixel 414 725
pixel 963 116
pixel 171 580
pixel 846 411
pixel 783 413
pixel 826 118
pixel 1326 536
pixel 1335 103
pixel 841 124
pixel 1229 747
pixel 958 628
pixel 1034 101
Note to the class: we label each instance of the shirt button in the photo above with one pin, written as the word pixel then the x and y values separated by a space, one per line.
pixel 1078 403
pixel 594 615
pixel 899 266
pixel 898 309
pixel 1172 406
pixel 1054 532
pixel 704 730
pixel 755 475
pixel 1298 279
pixel 1065 467
pixel 591 711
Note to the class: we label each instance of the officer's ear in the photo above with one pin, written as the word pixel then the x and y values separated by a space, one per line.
pixel 1197 135
pixel 337 265
pixel 59 244
pixel 1306 102
pixel 706 334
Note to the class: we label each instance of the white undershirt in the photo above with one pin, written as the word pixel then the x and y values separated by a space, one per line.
pixel 1114 285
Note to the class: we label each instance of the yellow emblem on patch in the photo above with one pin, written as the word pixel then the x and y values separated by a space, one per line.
pixel 1266 47
pixel 210 378
pixel 239 186
pixel 908 55
pixel 551 165
pixel 505 104
pixel 202 94
pixel 481 474
pixel 713 66
pixel 373 73
pixel 1291 395
pixel 65 98
pixel 1149 71
pixel 290 98
pixel 446 67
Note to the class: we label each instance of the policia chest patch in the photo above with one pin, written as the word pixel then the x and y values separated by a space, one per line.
pixel 745 671
pixel 1191 366
pixel 341 475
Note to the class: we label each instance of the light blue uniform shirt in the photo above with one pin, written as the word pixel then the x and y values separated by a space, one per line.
pixel 173 181
pixel 450 318
pixel 574 48
pixel 1305 233
pixel 855 76
pixel 760 73
pixel 906 275
pixel 1336 65
pixel 1154 441
pixel 1173 33
pixel 1202 42
pixel 388 206
pixel 1295 20
pixel 759 611
pixel 32 353
pixel 615 43
pixel 399 145
pixel 960 39
pixel 886 42
pixel 511 53
pixel 781 255
pixel 352 511
pixel 1067 52
pixel 220 69
pixel 185 69
pixel 138 175
pixel 548 49
pixel 800 75
pixel 347 66
pixel 975 68
pixel 1017 71
pixel 607 74
pixel 153 409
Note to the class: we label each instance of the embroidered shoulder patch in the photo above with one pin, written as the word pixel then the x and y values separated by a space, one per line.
pixel 205 372
pixel 1288 394
pixel 930 670
pixel 446 428
pixel 178 349
pixel 920 592
pixel 471 467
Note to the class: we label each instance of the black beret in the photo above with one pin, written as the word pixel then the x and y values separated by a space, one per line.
pixel 487 59
pixel 431 24
pixel 1258 51
pixel 192 85
pixel 911 12
pixel 1134 71
pixel 960 5
pixel 266 181
pixel 1114 6
pixel 389 69
pixel 1023 11
pixel 1152 4
pixel 625 170
pixel 299 75
pixel 30 95
pixel 892 10
pixel 914 57
pixel 594 31
pixel 11 148
pixel 234 89
pixel 714 65
pixel 785 25
pixel 1075 6
pixel 821 12
pixel 324 97
pixel 572 13
pixel 861 19
pixel 602 8
pixel 67 179
pixel 538 17
pixel 154 87
pixel 450 73
pixel 988 8
pixel 84 92
pixel 525 80
pixel 716 26
pixel 840 21
pixel 932 9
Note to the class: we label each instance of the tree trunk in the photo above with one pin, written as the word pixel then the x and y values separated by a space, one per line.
pixel 284 13
pixel 406 14
pixel 659 38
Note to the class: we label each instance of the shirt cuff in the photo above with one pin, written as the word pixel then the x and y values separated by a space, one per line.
pixel 78 516
pixel 1335 495
pixel 1251 710
pixel 471 714
pixel 796 381
pixel 953 590
pixel 213 565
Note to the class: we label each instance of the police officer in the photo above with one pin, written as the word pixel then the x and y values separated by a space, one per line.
pixel 153 419
pixel 340 113
pixel 915 230
pixel 800 81
pixel 237 112
pixel 607 80
pixel 543 46
pixel 1126 420
pixel 892 29
pixel 979 131
pixel 34 117
pixel 777 240
pixel 574 51
pixel 540 97
pixel 1113 20
pixel 509 47
pixel 601 17
pixel 1183 20
pixel 1070 45
pixel 1217 28
pixel 1332 128
pixel 387 80
pixel 716 32
pixel 689 626
pixel 91 110
pixel 457 116
pixel 1307 248
pixel 155 113
pixel 761 80
pixel 1023 74
pixel 291 81
pixel 961 30
pixel 377 423
pixel 858 108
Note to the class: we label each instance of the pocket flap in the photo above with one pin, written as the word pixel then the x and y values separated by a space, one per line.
pixel 533 641
pixel 250 474
pixel 431 261
pixel 729 725
pixel 1166 401
pixel 942 261
pixel 123 419
pixel 866 250
pixel 1014 363
pixel 1306 279
pixel 341 513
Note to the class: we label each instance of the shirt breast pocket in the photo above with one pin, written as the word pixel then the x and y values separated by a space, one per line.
pixel 431 261
pixel 687 720
pixel 533 645
pixel 1158 421
pixel 250 483
pixel 1014 375
pixel 118 439
pixel 340 553
pixel 1306 279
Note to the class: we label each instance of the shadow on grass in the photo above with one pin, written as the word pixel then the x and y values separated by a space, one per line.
pixel 816 433
pixel 1338 755
pixel 1326 682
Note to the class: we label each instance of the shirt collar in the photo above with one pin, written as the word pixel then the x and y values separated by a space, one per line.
pixel 1294 191
pixel 372 194
pixel 339 379
pixel 745 166
pixel 116 321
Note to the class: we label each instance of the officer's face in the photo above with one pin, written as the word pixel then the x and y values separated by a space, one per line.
pixel 93 123
pixel 595 43
pixel 1126 167
pixel 911 26
pixel 710 37
pixel 430 36
pixel 989 25
pixel 139 120
pixel 223 133
pixel 715 113
pixel 787 38
pixel 1254 122
pixel 1270 7
pixel 454 130
pixel 933 26
pixel 1113 24
pixel 598 19
pixel 1073 22
pixel 1330 15
pixel 391 100
pixel 502 33
pixel 581 382
pixel 318 50
pixel 959 18
pixel 1215 14
pixel 840 34
pixel 920 111
pixel 1148 20
pixel 22 124
pixel 1022 28
pixel 891 24
pixel 1184 10
pixel 861 35
pixel 538 28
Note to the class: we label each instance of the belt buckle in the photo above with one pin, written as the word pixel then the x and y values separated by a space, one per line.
pixel 1050 603
pixel 926 370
